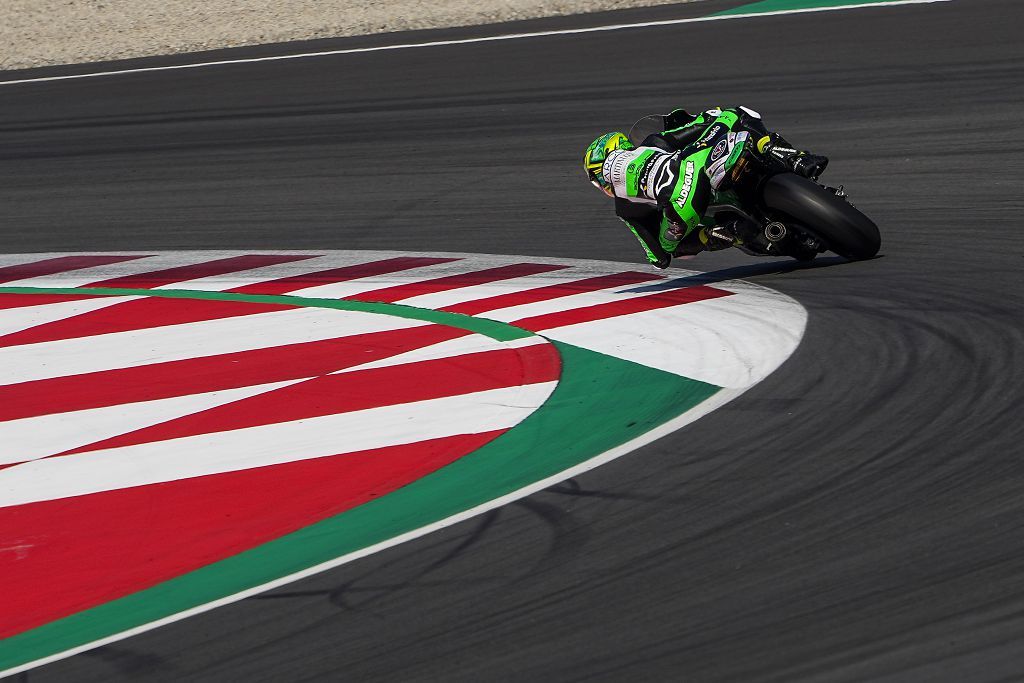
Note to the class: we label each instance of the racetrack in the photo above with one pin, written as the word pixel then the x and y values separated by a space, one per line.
pixel 855 516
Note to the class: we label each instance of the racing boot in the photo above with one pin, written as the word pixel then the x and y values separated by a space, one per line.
pixel 719 237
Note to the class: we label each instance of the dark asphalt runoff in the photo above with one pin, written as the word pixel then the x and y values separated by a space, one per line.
pixel 857 516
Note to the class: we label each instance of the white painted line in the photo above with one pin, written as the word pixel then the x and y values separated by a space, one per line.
pixel 466 41
pixel 243 449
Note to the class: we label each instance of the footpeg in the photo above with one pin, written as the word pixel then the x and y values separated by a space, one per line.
pixel 718 237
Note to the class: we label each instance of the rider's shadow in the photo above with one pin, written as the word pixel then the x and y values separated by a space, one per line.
pixel 737 273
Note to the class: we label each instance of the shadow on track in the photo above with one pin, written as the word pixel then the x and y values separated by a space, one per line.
pixel 740 272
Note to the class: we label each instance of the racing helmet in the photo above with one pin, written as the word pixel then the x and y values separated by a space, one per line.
pixel 597 152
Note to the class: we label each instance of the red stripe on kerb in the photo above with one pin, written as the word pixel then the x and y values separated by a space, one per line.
pixel 60 264
pixel 557 291
pixel 21 300
pixel 63 556
pixel 149 313
pixel 156 278
pixel 343 274
pixel 195 271
pixel 615 309
pixel 359 390
pixel 211 373
pixel 443 284
pixel 137 314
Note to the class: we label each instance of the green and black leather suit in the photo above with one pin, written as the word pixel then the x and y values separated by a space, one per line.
pixel 663 187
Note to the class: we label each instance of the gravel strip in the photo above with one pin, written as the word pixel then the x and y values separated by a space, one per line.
pixel 48 32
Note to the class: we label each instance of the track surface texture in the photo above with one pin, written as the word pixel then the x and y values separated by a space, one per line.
pixel 858 515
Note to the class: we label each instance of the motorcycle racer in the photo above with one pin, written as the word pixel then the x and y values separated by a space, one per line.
pixel 663 187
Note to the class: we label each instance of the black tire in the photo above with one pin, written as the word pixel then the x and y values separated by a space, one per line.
pixel 841 226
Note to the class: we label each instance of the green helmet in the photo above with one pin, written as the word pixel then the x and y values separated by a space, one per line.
pixel 593 158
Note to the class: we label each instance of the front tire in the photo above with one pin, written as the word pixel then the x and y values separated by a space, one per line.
pixel 845 230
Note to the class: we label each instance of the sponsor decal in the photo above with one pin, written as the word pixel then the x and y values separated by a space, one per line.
pixel 615 169
pixel 719 150
pixel 674 232
pixel 710 133
pixel 646 172
pixel 684 193
pixel 739 144
pixel 782 152
pixel 664 177
pixel 631 177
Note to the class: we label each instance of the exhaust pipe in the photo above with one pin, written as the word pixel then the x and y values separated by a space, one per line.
pixel 774 231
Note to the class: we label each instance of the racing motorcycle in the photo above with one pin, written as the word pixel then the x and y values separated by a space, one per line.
pixel 772 210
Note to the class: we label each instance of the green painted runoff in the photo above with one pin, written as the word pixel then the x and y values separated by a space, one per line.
pixel 783 5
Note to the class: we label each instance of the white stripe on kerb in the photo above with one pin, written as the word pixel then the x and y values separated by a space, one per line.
pixel 462 346
pixel 451 297
pixel 32 438
pixel 244 449
pixel 465 41
pixel 38 437
pixel 732 342
pixel 371 283
pixel 76 356
pixel 17 319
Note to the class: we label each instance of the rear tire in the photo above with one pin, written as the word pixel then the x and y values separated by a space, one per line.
pixel 838 224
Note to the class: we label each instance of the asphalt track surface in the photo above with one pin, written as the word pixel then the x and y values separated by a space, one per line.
pixel 858 515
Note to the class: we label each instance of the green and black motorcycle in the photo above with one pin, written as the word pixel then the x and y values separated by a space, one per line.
pixel 776 212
